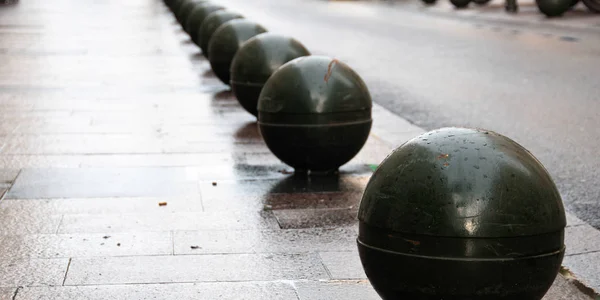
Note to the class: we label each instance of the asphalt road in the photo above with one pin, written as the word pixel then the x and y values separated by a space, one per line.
pixel 539 86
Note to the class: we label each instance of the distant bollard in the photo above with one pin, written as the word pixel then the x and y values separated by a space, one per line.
pixel 226 41
pixel 314 114
pixel 460 213
pixel 210 25
pixel 593 5
pixel 573 3
pixel 429 2
pixel 460 3
pixel 256 61
pixel 185 8
pixel 196 17
pixel 553 8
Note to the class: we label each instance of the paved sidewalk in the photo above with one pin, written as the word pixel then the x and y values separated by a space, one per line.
pixel 130 172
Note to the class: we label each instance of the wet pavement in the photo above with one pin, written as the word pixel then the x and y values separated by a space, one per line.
pixel 128 171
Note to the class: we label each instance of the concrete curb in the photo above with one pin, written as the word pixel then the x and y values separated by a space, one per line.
pixel 582 258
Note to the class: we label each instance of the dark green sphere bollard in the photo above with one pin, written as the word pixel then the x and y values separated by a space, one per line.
pixel 197 16
pixel 256 61
pixel 173 4
pixel 314 114
pixel 553 8
pixel 210 25
pixel 226 41
pixel 184 9
pixel 460 3
pixel 461 213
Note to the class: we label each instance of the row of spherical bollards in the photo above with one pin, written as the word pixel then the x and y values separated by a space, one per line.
pixel 453 214
pixel 312 125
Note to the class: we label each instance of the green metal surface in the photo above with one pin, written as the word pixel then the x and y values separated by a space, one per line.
pixel 400 276
pixel 174 4
pixel 185 8
pixel 314 85
pixel 461 182
pixel 470 212
pixel 314 113
pixel 225 43
pixel 256 61
pixel 197 16
pixel 553 8
pixel 460 3
pixel 210 25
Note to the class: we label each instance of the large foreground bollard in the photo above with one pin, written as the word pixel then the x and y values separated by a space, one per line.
pixel 210 25
pixel 197 16
pixel 226 41
pixel 314 114
pixel 256 61
pixel 461 213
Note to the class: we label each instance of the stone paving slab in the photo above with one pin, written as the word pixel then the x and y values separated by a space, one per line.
pixel 310 218
pixel 343 265
pixel 266 241
pixel 195 268
pixel 111 223
pixel 86 245
pixel 103 182
pixel 7 293
pixel 40 208
pixel 7 176
pixel 29 224
pixel 338 289
pixel 581 239
pixel 40 161
pixel 32 272
pixel 220 290
pixel 584 268
pixel 572 220
pixel 566 289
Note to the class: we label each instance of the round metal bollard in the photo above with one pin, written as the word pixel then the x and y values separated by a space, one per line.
pixel 184 9
pixel 226 41
pixel 314 114
pixel 460 213
pixel 197 16
pixel 256 61
pixel 171 4
pixel 553 8
pixel 460 3
pixel 210 25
